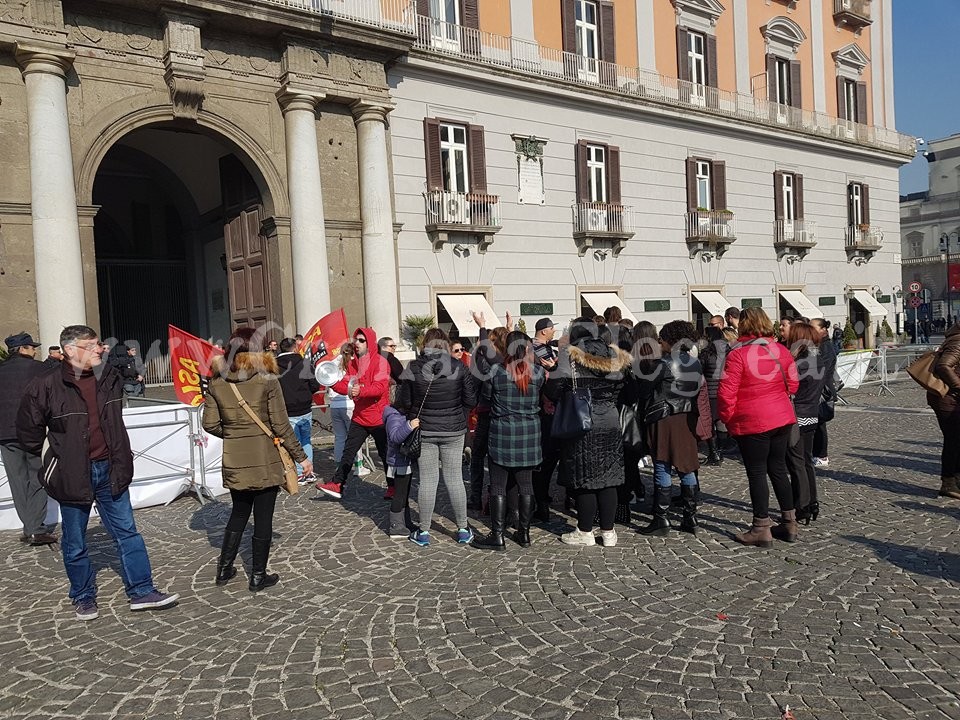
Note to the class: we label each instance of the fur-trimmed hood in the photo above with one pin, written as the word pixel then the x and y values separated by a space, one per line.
pixel 618 361
pixel 248 364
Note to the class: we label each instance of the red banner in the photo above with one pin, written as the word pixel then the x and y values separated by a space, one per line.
pixel 190 359
pixel 324 339
pixel 954 277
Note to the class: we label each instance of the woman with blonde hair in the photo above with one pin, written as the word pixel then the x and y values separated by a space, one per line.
pixel 252 470
pixel 753 401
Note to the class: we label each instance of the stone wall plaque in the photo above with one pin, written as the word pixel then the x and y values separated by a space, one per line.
pixel 828 300
pixel 656 305
pixel 530 190
pixel 542 309
pixel 751 302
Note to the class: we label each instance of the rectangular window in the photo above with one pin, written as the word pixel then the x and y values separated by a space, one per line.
pixel 696 58
pixel 597 173
pixel 916 248
pixel 587 27
pixel 445 21
pixel 782 92
pixel 789 198
pixel 851 110
pixel 704 190
pixel 453 158
pixel 855 213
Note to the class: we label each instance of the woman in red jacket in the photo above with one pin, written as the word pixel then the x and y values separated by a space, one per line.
pixel 754 403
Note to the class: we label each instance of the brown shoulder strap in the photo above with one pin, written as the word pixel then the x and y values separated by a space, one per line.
pixel 250 412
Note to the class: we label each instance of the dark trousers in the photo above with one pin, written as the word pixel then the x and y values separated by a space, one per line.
pixel 950 455
pixel 803 476
pixel 481 440
pixel 589 502
pixel 401 493
pixel 29 497
pixel 765 455
pixel 258 502
pixel 356 436
pixel 502 478
pixel 551 456
pixel 631 474
pixel 820 440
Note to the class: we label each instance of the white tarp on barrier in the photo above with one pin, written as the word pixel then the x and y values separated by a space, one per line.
pixel 171 454
pixel 852 367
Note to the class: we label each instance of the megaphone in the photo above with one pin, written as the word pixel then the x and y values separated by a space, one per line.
pixel 329 372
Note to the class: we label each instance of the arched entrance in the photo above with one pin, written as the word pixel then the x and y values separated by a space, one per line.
pixel 179 237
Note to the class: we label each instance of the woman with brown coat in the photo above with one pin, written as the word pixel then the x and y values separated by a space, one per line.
pixel 947 409
pixel 252 470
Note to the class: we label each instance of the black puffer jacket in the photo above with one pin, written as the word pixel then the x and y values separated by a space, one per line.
pixel 297 382
pixel 443 402
pixel 16 372
pixel 125 364
pixel 712 360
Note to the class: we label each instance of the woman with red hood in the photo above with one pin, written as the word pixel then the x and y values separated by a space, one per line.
pixel 367 383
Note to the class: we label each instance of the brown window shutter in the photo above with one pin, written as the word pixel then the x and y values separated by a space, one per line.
pixel 568 22
pixel 862 103
pixel 613 175
pixel 469 14
pixel 580 162
pixel 779 212
pixel 691 184
pixel 423 8
pixel 712 72
pixel 841 99
pixel 719 180
pixel 683 63
pixel 477 159
pixel 772 78
pixel 865 202
pixel 431 152
pixel 798 195
pixel 796 83
pixel 850 217
pixel 608 36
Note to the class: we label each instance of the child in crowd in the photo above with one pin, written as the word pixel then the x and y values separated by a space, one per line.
pixel 398 469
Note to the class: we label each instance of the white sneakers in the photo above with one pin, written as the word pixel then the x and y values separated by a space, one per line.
pixel 821 462
pixel 578 537
pixel 609 537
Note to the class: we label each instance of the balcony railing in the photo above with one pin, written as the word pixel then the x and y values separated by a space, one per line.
pixel 398 15
pixel 864 237
pixel 590 217
pixel 852 12
pixel 467 209
pixel 529 58
pixel 795 233
pixel 711 226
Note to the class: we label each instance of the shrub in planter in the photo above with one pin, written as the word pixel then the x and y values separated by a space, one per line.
pixel 849 337
pixel 414 328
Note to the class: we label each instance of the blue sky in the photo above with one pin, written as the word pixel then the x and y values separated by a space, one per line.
pixel 926 56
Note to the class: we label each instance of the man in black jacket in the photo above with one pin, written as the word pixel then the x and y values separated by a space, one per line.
pixel 22 468
pixel 73 419
pixel 298 385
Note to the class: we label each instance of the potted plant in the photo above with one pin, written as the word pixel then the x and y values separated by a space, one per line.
pixel 522 325
pixel 414 328
pixel 849 337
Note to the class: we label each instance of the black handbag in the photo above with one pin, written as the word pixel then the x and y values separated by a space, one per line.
pixel 413 443
pixel 573 416
pixel 632 429
pixel 828 405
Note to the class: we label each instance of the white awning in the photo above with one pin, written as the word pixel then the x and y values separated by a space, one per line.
pixel 870 304
pixel 801 303
pixel 714 302
pixel 600 301
pixel 460 308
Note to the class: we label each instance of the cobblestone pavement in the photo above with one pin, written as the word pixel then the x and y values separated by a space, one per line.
pixel 860 619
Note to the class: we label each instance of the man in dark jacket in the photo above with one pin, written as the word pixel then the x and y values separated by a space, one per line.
pixel 73 419
pixel 388 346
pixel 54 357
pixel 22 468
pixel 124 358
pixel 298 385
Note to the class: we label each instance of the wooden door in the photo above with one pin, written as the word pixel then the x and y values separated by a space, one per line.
pixel 248 278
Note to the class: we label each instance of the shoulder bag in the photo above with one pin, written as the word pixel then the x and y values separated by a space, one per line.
pixel 795 428
pixel 290 477
pixel 414 442
pixel 921 370
pixel 573 416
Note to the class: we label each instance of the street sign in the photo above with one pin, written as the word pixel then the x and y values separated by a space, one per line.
pixel 915 287
pixel 915 302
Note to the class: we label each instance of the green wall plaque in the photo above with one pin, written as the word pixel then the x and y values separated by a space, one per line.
pixel 751 302
pixel 830 300
pixel 542 309
pixel 656 305
pixel 884 299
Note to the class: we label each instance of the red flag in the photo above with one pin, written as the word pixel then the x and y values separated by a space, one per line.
pixel 324 339
pixel 190 359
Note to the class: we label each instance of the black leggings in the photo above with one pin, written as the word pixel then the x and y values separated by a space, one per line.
pixel 820 440
pixel 588 502
pixel 260 503
pixel 551 456
pixel 503 477
pixel 803 477
pixel 401 493
pixel 765 454
pixel 481 439
pixel 949 423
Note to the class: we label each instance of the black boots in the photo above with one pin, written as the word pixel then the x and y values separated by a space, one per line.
pixel 498 516
pixel 259 579
pixel 660 525
pixel 525 513
pixel 713 454
pixel 690 494
pixel 228 553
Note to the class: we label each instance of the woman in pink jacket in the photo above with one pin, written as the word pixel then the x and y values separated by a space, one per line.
pixel 754 402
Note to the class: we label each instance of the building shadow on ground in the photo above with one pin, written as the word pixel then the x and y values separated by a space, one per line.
pixel 950 511
pixel 885 484
pixel 940 565
pixel 924 465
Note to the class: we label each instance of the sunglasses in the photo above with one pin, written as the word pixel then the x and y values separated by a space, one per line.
pixel 457 351
pixel 360 340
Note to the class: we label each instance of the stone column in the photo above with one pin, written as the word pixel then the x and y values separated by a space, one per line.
pixel 58 261
pixel 308 237
pixel 380 295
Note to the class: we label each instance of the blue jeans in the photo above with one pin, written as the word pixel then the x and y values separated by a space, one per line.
pixel 341 426
pixel 662 471
pixel 302 428
pixel 116 515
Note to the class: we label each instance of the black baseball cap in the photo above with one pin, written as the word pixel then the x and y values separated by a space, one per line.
pixel 543 324
pixel 20 340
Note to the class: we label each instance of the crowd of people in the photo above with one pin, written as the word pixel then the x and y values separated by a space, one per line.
pixel 591 408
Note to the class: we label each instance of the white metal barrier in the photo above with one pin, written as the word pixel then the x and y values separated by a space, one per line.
pixel 172 456
pixel 877 368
